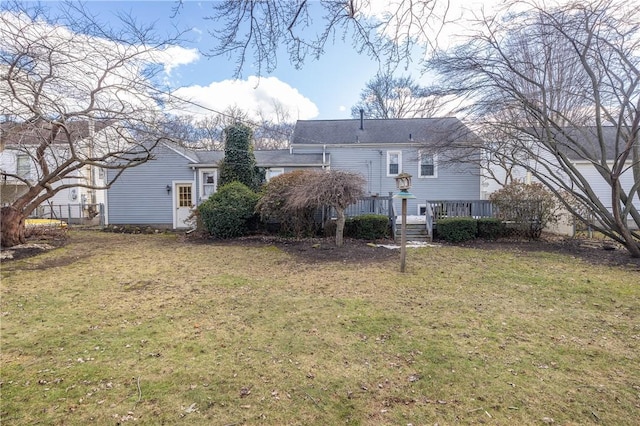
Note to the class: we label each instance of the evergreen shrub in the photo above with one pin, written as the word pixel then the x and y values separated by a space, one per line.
pixel 491 228
pixel 457 229
pixel 367 227
pixel 229 212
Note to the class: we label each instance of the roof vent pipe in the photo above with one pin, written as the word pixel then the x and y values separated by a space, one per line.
pixel 361 119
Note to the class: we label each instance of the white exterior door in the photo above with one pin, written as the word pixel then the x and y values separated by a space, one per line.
pixel 183 201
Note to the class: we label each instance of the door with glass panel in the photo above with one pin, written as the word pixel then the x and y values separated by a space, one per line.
pixel 184 204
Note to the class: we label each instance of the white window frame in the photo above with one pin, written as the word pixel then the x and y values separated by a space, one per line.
pixel 435 166
pixel 389 154
pixel 420 207
pixel 273 172
pixel 202 172
pixel 25 160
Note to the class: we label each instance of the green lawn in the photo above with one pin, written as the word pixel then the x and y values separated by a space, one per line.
pixel 148 329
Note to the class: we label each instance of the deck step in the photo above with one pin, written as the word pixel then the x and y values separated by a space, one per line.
pixel 415 232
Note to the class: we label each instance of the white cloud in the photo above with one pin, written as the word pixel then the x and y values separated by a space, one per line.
pixel 254 95
pixel 81 69
pixel 174 56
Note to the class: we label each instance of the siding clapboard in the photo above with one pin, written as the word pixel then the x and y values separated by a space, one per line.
pixel 140 196
pixel 453 181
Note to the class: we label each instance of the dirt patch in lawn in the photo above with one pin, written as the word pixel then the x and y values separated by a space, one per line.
pixel 315 250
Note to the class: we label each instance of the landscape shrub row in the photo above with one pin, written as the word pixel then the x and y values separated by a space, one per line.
pixel 363 227
pixel 459 229
pixel 231 212
pixel 367 227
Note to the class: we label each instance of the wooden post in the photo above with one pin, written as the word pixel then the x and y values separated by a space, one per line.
pixel 403 238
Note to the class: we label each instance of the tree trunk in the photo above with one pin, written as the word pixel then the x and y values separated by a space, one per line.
pixel 12 221
pixel 620 222
pixel 340 227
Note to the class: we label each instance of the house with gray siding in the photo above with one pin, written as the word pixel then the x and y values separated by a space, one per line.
pixel 591 152
pixel 163 191
pixel 440 154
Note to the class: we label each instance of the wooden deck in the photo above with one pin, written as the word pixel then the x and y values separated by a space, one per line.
pixel 462 208
pixel 434 210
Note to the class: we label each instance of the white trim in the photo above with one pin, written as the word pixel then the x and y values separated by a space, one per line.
pixel 435 166
pixel 376 145
pixel 392 152
pixel 201 172
pixel 278 170
pixel 422 206
pixel 174 185
pixel 182 154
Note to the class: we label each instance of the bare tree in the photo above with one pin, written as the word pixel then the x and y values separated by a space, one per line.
pixel 207 133
pixel 386 96
pixel 333 188
pixel 74 96
pixel 562 86
pixel 273 133
pixel 258 30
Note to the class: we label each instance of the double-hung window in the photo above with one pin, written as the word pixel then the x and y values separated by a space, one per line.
pixel 23 166
pixel 394 163
pixel 208 179
pixel 427 165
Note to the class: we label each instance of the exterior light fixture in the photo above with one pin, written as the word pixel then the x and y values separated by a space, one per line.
pixel 403 183
pixel 168 189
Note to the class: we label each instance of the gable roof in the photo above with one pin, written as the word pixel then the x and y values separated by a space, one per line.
pixel 583 143
pixel 381 131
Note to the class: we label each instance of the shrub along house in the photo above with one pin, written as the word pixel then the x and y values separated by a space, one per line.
pixel 163 192
pixel 439 153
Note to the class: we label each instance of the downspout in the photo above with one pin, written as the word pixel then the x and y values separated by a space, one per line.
pixel 381 172
pixel 197 187
pixel 324 156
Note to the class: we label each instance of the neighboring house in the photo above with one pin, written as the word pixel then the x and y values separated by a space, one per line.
pixel 586 138
pixel 163 191
pixel 19 169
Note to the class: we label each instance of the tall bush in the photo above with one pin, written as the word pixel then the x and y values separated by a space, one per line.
pixel 229 212
pixel 239 162
pixel 274 205
pixel 528 208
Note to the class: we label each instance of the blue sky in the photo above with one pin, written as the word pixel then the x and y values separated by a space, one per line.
pixel 323 89
pixel 326 88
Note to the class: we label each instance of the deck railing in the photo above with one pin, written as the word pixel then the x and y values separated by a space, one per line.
pixel 371 205
pixel 462 208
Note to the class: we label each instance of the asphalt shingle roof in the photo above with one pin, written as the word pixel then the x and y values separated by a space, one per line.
pixel 267 158
pixel 387 131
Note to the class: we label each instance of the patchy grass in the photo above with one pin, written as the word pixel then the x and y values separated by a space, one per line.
pixel 148 329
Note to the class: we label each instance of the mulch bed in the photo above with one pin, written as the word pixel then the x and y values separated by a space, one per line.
pixel 314 250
